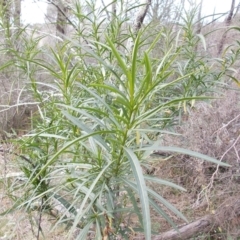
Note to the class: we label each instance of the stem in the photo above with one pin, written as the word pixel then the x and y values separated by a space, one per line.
pixel 39 220
pixel 124 142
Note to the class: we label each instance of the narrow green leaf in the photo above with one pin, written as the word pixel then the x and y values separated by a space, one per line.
pixel 235 80
pixel 163 182
pixel 110 201
pixel 93 197
pixel 48 135
pixel 159 198
pixel 135 205
pixel 112 89
pixel 98 231
pixel 88 193
pixel 166 203
pixel 156 130
pixel 145 116
pixel 155 41
pixel 85 128
pixel 86 114
pixel 65 203
pixel 142 191
pixel 54 157
pixel 160 66
pixel 99 98
pixel 132 80
pixel 85 230
pixel 148 69
pixel 9 63
pixel 120 60
pixel 123 102
pixel 185 151
pixel 74 165
pixel 202 38
pixel 162 213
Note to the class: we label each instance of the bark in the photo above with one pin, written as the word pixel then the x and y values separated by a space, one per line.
pixel 141 15
pixel 17 13
pixel 202 225
pixel 139 21
pixel 230 15
pixel 61 19
pixel 114 10
pixel 58 13
pixel 227 23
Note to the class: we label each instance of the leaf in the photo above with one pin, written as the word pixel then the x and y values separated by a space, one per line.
pixel 146 115
pixel 65 203
pixel 85 230
pixel 85 128
pixel 185 151
pixel 162 213
pixel 142 191
pixel 203 40
pixel 81 210
pixel 132 80
pixel 235 80
pixel 166 203
pixel 46 135
pixel 112 89
pixel 99 98
pixel 120 60
pixel 66 146
pixel 155 41
pixel 157 197
pixel 98 231
pixel 135 206
pixel 86 114
pixel 163 182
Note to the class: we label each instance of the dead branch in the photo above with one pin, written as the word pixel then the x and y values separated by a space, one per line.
pixel 226 217
pixel 202 225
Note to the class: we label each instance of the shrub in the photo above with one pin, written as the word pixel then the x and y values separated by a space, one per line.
pixel 99 120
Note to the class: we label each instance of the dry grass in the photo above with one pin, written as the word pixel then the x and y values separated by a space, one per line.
pixel 212 129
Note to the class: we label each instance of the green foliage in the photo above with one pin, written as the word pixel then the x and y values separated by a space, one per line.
pixel 100 117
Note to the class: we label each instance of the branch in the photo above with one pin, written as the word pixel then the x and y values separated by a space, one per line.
pixel 202 225
pixel 226 217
